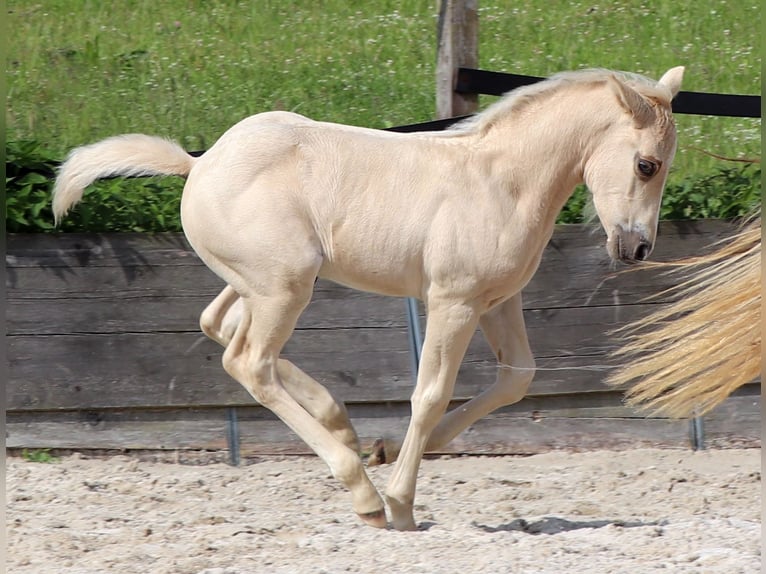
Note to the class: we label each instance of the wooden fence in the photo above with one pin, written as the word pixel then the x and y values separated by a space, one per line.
pixel 105 352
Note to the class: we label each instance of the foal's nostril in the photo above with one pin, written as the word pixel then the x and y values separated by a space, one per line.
pixel 642 251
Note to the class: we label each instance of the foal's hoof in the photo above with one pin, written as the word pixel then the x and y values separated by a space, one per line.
pixel 376 519
pixel 401 515
pixel 384 451
pixel 378 454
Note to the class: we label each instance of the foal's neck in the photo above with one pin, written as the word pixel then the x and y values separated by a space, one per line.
pixel 540 151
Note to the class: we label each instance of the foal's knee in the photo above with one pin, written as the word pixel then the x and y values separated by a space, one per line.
pixel 220 324
pixel 515 380
pixel 208 322
pixel 255 371
pixel 429 404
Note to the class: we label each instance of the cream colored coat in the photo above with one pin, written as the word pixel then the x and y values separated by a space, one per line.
pixel 458 219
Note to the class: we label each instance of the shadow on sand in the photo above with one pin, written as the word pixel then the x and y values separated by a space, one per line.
pixel 555 525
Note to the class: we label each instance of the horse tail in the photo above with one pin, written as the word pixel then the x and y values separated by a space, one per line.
pixel 686 358
pixel 125 155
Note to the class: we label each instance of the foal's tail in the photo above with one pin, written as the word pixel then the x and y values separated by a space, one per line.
pixel 688 357
pixel 126 155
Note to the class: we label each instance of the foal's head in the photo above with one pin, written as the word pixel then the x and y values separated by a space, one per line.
pixel 627 170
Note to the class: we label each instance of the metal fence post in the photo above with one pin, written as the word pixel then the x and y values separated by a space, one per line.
pixel 413 335
pixel 232 435
pixel 697 432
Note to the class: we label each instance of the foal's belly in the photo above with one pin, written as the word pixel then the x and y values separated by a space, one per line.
pixel 374 279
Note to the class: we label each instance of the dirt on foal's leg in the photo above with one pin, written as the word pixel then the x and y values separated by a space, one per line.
pixel 219 321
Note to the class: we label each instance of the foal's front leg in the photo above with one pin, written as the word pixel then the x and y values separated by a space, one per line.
pixel 449 329
pixel 503 327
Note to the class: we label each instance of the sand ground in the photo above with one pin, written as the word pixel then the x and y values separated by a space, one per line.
pixel 637 511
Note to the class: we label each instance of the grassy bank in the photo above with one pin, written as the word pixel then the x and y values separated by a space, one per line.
pixel 80 70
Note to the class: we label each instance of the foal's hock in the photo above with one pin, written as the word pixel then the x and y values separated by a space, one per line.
pixel 457 218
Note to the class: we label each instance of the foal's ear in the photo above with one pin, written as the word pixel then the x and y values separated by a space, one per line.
pixel 632 102
pixel 672 79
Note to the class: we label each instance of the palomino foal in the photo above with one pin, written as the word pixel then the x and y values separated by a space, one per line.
pixel 458 219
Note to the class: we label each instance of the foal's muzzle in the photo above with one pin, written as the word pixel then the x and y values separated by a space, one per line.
pixel 629 246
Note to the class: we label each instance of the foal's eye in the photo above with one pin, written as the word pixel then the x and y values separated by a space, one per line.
pixel 646 168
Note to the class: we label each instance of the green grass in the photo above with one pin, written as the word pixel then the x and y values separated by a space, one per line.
pixel 191 70
pixel 717 41
pixel 41 455
pixel 80 70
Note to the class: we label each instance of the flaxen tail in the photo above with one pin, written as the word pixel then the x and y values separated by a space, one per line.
pixel 126 155
pixel 688 357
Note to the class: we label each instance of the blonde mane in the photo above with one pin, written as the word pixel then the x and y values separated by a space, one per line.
pixel 517 99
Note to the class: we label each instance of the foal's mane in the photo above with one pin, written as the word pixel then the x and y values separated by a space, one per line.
pixel 519 98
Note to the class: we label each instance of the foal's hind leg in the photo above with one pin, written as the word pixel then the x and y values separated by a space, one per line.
pixel 320 404
pixel 503 326
pixel 252 358
pixel 219 321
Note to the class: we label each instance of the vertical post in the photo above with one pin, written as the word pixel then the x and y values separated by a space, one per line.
pixel 697 431
pixel 458 45
pixel 414 336
pixel 232 435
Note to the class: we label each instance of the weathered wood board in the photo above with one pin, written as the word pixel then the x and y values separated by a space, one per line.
pixel 575 422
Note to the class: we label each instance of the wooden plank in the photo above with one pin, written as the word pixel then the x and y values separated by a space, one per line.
pixel 89 302
pixel 184 369
pixel 94 316
pixel 111 283
pixel 126 250
pixel 497 435
pixel 570 347
pixel 122 250
pixel 131 369
pixel 60 254
pixel 531 426
pixel 136 311
pixel 494 434
pixel 575 270
pixel 142 429
pixel 737 421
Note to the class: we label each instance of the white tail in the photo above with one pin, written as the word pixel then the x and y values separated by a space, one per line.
pixel 125 155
